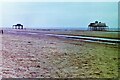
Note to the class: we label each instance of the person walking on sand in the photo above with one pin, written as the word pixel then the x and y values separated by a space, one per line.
pixel 2 31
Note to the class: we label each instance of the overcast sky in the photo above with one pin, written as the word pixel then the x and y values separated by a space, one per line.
pixel 59 14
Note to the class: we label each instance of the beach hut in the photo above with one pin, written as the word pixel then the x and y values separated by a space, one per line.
pixel 17 26
pixel 97 26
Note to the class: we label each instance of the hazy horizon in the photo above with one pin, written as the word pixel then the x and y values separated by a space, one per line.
pixel 59 15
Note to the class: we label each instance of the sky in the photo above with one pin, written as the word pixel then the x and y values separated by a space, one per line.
pixel 62 15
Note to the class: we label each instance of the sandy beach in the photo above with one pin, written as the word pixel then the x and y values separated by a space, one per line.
pixel 44 56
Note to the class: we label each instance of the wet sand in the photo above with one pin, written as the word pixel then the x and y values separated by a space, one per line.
pixel 43 56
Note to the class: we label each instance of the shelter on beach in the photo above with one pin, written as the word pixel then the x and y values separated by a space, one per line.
pixel 97 26
pixel 17 26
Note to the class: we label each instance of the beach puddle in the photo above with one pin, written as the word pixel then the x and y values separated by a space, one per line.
pixel 88 39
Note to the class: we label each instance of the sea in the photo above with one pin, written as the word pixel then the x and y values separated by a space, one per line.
pixel 65 29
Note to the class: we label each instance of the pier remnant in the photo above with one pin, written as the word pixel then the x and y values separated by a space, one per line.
pixel 97 26
pixel 17 26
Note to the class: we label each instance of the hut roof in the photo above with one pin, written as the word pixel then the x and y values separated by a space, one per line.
pixel 97 24
pixel 18 25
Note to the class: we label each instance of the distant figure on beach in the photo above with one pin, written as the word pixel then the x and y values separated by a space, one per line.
pixel 2 31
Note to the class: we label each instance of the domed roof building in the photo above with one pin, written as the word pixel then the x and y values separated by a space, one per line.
pixel 97 26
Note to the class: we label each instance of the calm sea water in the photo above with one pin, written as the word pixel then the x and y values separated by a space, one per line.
pixel 110 29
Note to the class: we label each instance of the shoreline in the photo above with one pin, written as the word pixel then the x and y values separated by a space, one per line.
pixel 99 34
